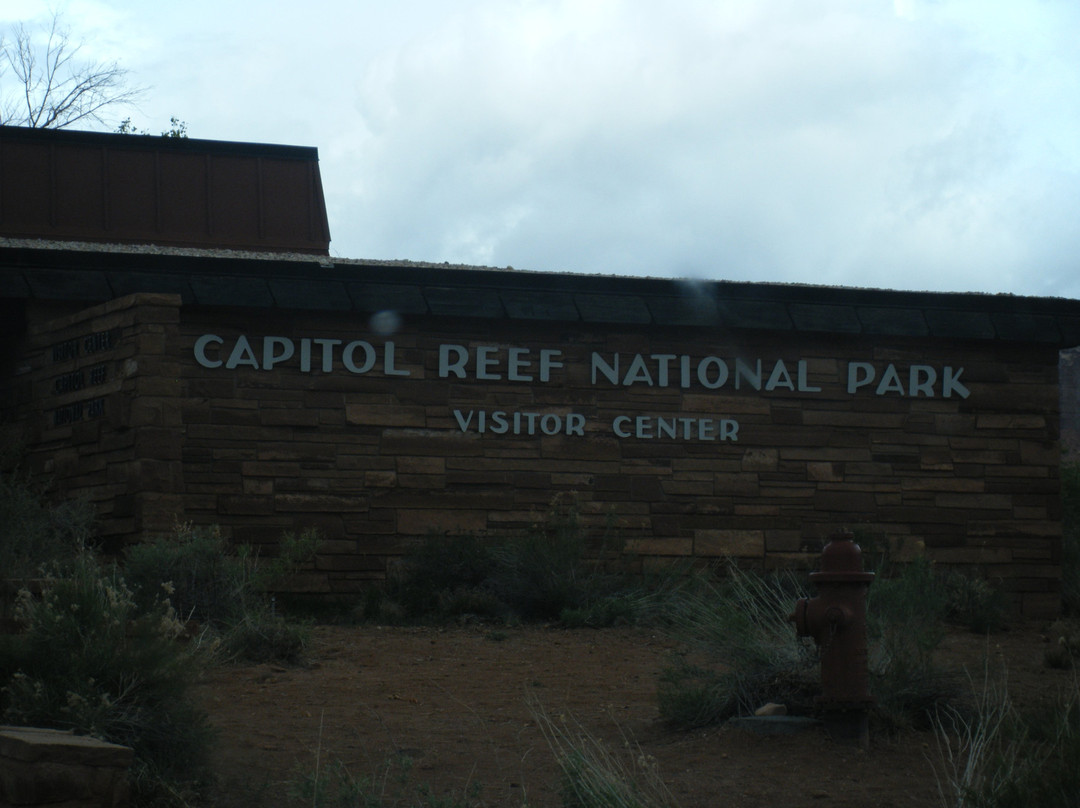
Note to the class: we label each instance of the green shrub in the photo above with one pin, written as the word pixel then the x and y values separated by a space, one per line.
pixel 261 635
pixel 998 757
pixel 424 582
pixel 35 533
pixel 225 590
pixel 205 580
pixel 540 574
pixel 593 776
pixel 545 573
pixel 906 623
pixel 90 660
pixel 743 651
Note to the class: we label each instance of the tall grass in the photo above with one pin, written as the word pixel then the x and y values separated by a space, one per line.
pixel 998 757
pixel 334 784
pixel 906 613
pixel 35 533
pixel 89 659
pixel 593 776
pixel 742 650
pixel 222 589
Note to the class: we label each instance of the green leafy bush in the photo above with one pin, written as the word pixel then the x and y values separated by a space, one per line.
pixel 546 573
pixel 35 533
pixel 205 579
pixel 974 602
pixel 89 659
pixel 222 589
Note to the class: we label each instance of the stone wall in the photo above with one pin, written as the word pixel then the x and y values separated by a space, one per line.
pixel 96 396
pixel 381 433
pixel 958 455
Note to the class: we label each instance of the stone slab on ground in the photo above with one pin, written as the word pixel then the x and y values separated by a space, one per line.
pixel 48 767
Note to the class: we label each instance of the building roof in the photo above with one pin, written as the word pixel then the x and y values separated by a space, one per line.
pixel 94 186
pixel 88 217
pixel 59 271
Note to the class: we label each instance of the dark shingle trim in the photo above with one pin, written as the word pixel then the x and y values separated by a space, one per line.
pixel 372 297
pixel 540 306
pixel 833 319
pixel 450 301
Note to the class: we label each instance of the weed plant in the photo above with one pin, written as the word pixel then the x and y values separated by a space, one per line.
pixel 334 785
pixel 206 581
pixel 443 575
pixel 974 602
pixel 91 660
pixel 593 776
pixel 905 626
pixel 550 572
pixel 998 757
pixel 742 649
pixel 34 533
pixel 222 590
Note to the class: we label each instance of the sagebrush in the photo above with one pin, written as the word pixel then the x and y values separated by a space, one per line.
pixel 90 659
pixel 552 571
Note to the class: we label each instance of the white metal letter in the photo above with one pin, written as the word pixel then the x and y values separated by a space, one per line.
pixel 200 350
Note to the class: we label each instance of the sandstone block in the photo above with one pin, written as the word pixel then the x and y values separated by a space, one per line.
pixel 736 543
pixel 385 415
pixel 319 503
pixel 417 522
pixel 760 459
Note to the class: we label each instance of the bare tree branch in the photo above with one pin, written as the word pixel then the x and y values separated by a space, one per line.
pixel 56 89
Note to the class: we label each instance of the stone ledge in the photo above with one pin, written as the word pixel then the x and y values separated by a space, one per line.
pixel 52 767
pixel 31 744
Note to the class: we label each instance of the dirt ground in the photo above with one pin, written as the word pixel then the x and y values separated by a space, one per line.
pixel 460 704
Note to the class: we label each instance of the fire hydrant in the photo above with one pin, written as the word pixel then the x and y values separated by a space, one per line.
pixel 836 619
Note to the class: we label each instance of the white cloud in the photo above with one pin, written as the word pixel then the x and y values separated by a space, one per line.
pixel 913 143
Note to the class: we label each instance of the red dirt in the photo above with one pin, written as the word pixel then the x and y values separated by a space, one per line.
pixel 456 702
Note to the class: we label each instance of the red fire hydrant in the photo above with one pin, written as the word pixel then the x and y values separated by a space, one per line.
pixel 836 619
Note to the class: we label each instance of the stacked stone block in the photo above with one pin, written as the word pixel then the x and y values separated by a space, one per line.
pixel 384 457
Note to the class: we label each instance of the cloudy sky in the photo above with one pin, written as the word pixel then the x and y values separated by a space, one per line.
pixel 911 144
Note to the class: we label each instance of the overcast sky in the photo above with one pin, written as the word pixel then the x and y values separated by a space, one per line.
pixel 906 144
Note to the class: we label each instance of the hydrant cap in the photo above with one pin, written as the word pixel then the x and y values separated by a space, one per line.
pixel 841 554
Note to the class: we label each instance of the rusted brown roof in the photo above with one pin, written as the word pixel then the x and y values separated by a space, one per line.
pixel 156 190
